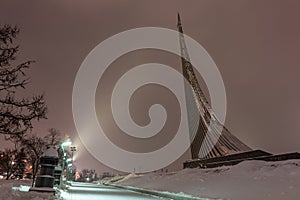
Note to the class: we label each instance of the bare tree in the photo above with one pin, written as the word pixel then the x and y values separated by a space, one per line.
pixel 53 137
pixel 20 160
pixel 16 114
pixel 88 175
pixel 34 147
pixel 7 162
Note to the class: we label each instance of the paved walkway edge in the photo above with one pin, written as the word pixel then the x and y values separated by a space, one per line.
pixel 169 195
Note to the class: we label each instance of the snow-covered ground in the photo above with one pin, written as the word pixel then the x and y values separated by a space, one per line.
pixel 249 180
pixel 18 190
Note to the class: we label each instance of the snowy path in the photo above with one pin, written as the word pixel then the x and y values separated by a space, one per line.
pixel 89 191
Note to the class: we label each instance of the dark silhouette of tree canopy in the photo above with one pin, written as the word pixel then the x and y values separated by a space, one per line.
pixel 53 138
pixel 16 114
pixel 12 162
pixel 20 163
pixel 88 175
pixel 34 147
pixel 7 162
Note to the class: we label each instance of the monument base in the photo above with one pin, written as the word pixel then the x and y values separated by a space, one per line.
pixel 234 159
pixel 42 189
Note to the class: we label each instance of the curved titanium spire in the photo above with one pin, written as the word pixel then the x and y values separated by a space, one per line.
pixel 208 125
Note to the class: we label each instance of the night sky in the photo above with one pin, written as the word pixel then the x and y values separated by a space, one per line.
pixel 255 45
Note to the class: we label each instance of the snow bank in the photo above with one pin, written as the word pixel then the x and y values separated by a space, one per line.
pixel 18 190
pixel 249 180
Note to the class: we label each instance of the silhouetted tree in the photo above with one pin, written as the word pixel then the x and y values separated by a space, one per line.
pixel 34 147
pixel 16 114
pixel 20 163
pixel 7 162
pixel 88 175
pixel 53 138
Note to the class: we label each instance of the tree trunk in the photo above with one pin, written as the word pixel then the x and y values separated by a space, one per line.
pixel 34 171
pixel 8 174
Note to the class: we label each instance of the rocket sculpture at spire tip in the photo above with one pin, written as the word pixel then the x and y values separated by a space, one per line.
pixel 178 19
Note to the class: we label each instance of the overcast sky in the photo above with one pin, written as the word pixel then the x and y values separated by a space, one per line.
pixel 255 45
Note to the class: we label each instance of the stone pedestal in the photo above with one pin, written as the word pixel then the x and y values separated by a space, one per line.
pixel 45 180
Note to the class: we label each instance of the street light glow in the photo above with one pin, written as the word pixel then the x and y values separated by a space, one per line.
pixel 66 143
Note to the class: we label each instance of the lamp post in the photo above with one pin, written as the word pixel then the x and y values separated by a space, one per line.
pixel 66 143
pixel 73 148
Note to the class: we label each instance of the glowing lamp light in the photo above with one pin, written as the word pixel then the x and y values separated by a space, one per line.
pixel 66 143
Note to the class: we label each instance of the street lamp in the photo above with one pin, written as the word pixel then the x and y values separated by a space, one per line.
pixel 73 148
pixel 64 144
